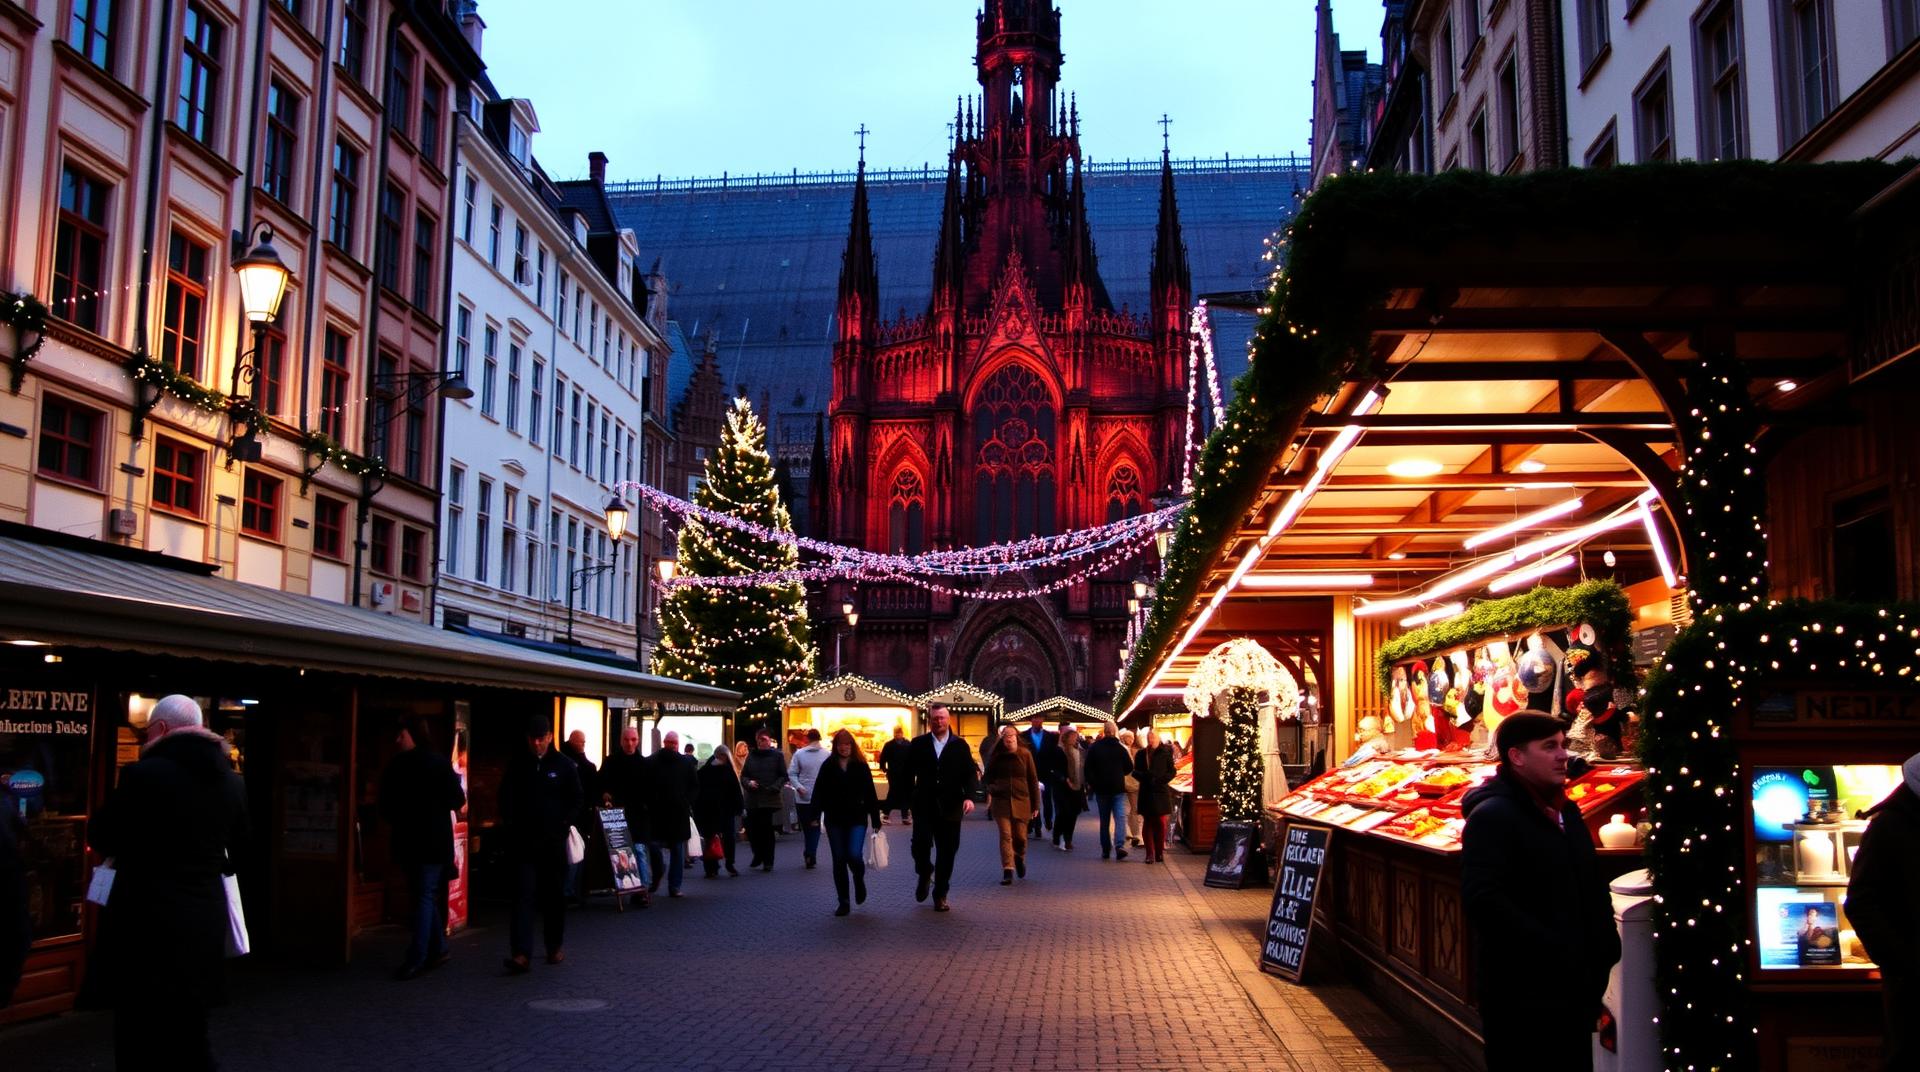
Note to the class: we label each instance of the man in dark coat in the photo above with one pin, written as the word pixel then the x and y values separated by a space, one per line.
pixel 1881 896
pixel 539 797
pixel 761 777
pixel 16 925
pixel 1537 905
pixel 893 764
pixel 672 783
pixel 940 780
pixel 1108 765
pixel 576 750
pixel 419 792
pixel 623 784
pixel 173 827
pixel 1047 760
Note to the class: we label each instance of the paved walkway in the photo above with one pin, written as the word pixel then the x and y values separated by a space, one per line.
pixel 1087 964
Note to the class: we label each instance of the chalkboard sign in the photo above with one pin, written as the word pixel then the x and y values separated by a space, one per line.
pixel 1303 856
pixel 629 874
pixel 1233 848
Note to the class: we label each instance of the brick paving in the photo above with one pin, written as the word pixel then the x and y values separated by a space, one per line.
pixel 1087 964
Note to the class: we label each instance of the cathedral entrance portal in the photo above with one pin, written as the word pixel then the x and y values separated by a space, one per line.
pixel 1016 665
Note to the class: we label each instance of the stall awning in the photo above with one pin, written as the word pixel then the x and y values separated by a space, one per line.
pixel 66 596
pixel 1061 707
pixel 849 689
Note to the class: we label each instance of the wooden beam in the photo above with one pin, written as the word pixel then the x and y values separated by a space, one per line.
pixel 1597 318
pixel 1551 420
pixel 1478 370
pixel 1582 478
pixel 1401 437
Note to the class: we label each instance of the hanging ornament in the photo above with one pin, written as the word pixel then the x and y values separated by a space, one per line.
pixel 1535 670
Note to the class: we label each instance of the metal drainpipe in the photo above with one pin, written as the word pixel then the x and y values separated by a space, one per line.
pixel 319 172
pixel 363 503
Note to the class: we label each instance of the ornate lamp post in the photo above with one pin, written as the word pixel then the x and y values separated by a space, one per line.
pixel 263 283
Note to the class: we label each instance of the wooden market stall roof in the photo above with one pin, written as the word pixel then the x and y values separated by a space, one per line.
pixel 1447 354
pixel 1061 706
pixel 964 696
pixel 849 690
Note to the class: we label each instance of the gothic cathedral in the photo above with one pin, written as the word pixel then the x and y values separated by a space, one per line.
pixel 1022 403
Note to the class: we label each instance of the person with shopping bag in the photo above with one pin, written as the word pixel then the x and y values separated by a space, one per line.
pixel 848 804
pixel 672 784
pixel 539 797
pixel 173 827
pixel 716 811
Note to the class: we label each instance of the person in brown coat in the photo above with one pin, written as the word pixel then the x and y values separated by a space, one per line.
pixel 1154 767
pixel 1013 790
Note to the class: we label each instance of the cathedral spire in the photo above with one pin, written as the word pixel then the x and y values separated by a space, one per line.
pixel 949 253
pixel 1169 248
pixel 859 275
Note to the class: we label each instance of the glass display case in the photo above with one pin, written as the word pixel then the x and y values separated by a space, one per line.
pixel 1806 830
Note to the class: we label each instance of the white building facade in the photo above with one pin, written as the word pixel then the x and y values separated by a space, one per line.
pixel 546 323
pixel 1652 80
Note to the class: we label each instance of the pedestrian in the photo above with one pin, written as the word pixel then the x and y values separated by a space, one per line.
pixel 173 827
pixel 688 750
pixel 672 783
pixel 539 796
pixel 1013 799
pixel 1045 748
pixel 16 923
pixel 1153 768
pixel 1884 888
pixel 763 777
pixel 1132 745
pixel 893 765
pixel 802 769
pixel 1071 797
pixel 1536 903
pixel 1108 765
pixel 940 782
pixel 716 811
pixel 848 805
pixel 623 785
pixel 576 750
pixel 419 792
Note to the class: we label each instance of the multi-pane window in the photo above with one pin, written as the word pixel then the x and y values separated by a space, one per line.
pixel 400 87
pixel 632 456
pixel 907 513
pixel 353 39
pixel 509 535
pixel 462 339
pixel 424 228
pixel 1477 141
pixel 553 555
pixel 540 274
pixel 1013 427
pixel 413 461
pixel 559 413
pixel 291 7
pixel 573 549
pixel 90 31
pixel 283 138
pixel 1605 150
pixel 80 249
pixel 199 74
pixel 380 548
pixel 456 495
pixel 1723 107
pixel 1804 36
pixel 334 377
pixel 535 402
pixel 177 474
pixel 432 100
pixel 593 328
pixel 593 411
pixel 1446 74
pixel 413 553
pixel 270 364
pixel 619 459
pixel 260 504
pixel 522 271
pixel 1509 117
pixel 560 305
pixel 606 438
pixel 329 527
pixel 1470 24
pixel 1903 25
pixel 184 319
pixel 1591 25
pixel 533 547
pixel 513 387
pixel 1653 116
pixel 482 530
pixel 393 216
pixel 472 187
pixel 573 431
pixel 70 440
pixel 489 366
pixel 346 194
pixel 493 233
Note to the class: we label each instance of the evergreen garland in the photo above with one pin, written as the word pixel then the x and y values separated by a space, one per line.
pixel 27 315
pixel 755 640
pixel 1601 603
pixel 1243 770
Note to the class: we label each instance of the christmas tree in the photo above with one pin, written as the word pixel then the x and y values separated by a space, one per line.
pixel 1242 768
pixel 752 640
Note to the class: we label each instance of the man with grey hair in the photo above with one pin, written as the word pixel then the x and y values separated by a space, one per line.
pixel 173 827
pixel 672 783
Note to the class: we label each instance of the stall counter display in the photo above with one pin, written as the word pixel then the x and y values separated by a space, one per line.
pixel 1805 834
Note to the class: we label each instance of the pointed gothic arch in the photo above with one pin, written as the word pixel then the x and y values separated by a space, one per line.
pixel 1013 426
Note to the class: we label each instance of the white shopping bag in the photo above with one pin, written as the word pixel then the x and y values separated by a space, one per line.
pixel 101 887
pixel 576 845
pixel 877 850
pixel 694 843
pixel 237 942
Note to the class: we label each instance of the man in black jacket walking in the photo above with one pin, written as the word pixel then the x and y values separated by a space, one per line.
pixel 1047 760
pixel 419 792
pixel 1108 765
pixel 1541 918
pixel 672 783
pixel 893 764
pixel 539 796
pixel 586 822
pixel 939 783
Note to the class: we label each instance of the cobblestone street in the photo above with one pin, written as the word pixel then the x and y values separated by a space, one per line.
pixel 1087 964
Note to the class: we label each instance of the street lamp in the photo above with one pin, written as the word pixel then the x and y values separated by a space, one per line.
pixel 263 283
pixel 1141 586
pixel 666 567
pixel 615 516
pixel 852 616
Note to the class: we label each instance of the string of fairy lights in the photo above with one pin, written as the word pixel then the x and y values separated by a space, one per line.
pixel 1199 352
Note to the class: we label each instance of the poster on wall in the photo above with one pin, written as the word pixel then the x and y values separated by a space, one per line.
pixel 457 883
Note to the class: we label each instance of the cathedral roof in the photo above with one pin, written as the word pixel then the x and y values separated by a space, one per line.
pixel 756 259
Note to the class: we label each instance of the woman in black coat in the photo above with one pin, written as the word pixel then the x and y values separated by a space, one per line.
pixel 844 793
pixel 716 810
pixel 1153 767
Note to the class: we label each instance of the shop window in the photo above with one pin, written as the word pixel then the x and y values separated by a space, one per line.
pixel 184 318
pixel 70 441
pixel 260 505
pixel 177 474
pixel 1864 562
pixel 44 752
pixel 329 527
pixel 80 249
pixel 380 548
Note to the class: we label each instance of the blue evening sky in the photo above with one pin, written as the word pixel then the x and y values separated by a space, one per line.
pixel 697 87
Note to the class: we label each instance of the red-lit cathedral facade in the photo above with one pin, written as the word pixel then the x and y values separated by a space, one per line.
pixel 1021 403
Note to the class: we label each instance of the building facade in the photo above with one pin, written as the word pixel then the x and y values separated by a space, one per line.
pixel 549 330
pixel 143 147
pixel 1346 90
pixel 1764 79
pixel 1020 403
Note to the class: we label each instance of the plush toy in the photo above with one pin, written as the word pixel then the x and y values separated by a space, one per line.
pixel 1400 699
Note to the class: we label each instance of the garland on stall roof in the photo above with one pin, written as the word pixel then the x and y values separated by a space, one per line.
pixel 1703 931
pixel 27 316
pixel 1600 603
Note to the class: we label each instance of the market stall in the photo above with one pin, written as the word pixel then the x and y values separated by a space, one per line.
pixel 866 709
pixel 1084 717
pixel 976 711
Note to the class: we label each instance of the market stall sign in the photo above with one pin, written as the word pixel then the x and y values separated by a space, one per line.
pixel 1303 858
pixel 1839 709
pixel 627 875
pixel 1233 845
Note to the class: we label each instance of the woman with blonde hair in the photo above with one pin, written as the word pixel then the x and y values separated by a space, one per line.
pixel 844 793
pixel 1013 790
pixel 1133 792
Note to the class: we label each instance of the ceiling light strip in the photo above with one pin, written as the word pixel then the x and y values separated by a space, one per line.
pixel 1537 570
pixel 1525 521
pixel 1427 617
